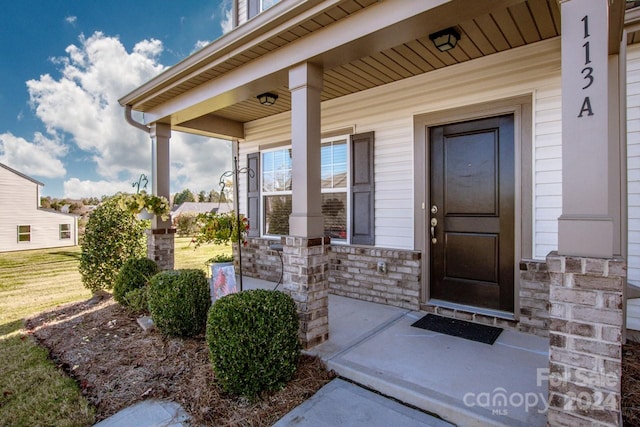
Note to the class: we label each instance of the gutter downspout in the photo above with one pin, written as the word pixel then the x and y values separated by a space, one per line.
pixel 129 119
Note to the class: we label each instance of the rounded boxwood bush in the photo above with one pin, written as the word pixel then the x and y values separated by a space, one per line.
pixel 178 301
pixel 253 341
pixel 134 274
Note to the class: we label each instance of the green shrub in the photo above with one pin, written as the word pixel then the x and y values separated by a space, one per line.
pixel 253 341
pixel 136 300
pixel 178 301
pixel 134 274
pixel 112 236
pixel 186 224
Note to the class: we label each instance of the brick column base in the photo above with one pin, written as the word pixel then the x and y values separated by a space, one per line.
pixel 306 266
pixel 160 247
pixel 585 337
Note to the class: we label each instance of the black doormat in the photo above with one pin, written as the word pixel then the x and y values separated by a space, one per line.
pixel 459 328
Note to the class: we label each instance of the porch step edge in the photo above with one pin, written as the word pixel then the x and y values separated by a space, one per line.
pixel 430 401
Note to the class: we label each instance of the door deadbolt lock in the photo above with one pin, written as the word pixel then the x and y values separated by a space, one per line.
pixel 434 209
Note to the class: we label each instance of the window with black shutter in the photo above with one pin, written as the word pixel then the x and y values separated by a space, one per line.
pixel 362 189
pixel 253 194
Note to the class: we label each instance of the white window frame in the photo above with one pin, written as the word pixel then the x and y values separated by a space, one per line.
pixel 67 231
pixel 347 189
pixel 28 233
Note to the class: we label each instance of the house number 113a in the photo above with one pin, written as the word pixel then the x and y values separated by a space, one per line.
pixel 587 71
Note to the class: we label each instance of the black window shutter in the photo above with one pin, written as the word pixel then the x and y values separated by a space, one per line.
pixel 253 7
pixel 362 189
pixel 253 194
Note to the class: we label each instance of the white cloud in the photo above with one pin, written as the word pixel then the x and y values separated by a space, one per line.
pixel 77 189
pixel 80 107
pixel 71 19
pixel 41 157
pixel 199 45
pixel 83 101
pixel 197 163
pixel 227 22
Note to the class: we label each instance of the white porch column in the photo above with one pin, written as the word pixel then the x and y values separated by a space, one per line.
pixel 160 239
pixel 587 275
pixel 305 250
pixel 591 139
pixel 305 84
pixel 160 178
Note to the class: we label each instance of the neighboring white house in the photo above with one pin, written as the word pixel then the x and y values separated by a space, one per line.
pixel 198 208
pixel 23 223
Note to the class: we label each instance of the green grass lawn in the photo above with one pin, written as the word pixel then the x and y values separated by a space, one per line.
pixel 186 256
pixel 32 390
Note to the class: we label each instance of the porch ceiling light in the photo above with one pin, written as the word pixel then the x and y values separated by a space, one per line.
pixel 267 98
pixel 445 39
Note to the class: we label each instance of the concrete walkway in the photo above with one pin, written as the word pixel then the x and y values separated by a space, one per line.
pixel 464 382
pixel 341 403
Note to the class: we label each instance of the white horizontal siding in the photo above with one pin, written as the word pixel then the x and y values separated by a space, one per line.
pixel 19 206
pixel 389 111
pixel 633 162
pixel 242 11
pixel 547 168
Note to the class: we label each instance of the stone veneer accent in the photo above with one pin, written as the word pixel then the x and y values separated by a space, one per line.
pixel 353 272
pixel 534 297
pixel 306 264
pixel 585 354
pixel 160 247
pixel 259 260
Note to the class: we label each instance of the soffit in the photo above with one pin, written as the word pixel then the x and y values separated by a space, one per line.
pixel 522 23
pixel 220 67
pixel 505 28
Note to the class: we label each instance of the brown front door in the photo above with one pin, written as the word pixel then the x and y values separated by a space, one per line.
pixel 472 195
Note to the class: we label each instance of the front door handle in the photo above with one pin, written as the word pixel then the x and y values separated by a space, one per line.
pixel 434 223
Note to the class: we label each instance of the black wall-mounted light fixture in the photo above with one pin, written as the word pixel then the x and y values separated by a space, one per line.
pixel 267 98
pixel 445 39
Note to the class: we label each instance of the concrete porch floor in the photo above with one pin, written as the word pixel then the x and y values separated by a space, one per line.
pixel 464 382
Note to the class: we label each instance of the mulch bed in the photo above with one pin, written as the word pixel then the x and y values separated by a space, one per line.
pixel 631 383
pixel 116 364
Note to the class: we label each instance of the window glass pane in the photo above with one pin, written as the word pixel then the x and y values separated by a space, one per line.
pixel 334 164
pixel 340 165
pixel 276 170
pixel 334 209
pixel 65 231
pixel 326 176
pixel 268 183
pixel 266 4
pixel 276 212
pixel 267 161
pixel 24 233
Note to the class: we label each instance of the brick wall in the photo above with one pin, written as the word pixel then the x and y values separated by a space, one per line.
pixel 586 322
pixel 160 247
pixel 353 272
pixel 260 261
pixel 534 297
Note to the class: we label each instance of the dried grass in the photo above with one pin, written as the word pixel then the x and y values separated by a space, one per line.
pixel 117 364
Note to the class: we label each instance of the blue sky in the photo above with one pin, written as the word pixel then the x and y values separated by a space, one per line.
pixel 65 63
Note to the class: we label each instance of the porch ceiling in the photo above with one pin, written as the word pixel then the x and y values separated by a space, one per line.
pixel 503 29
pixel 510 24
